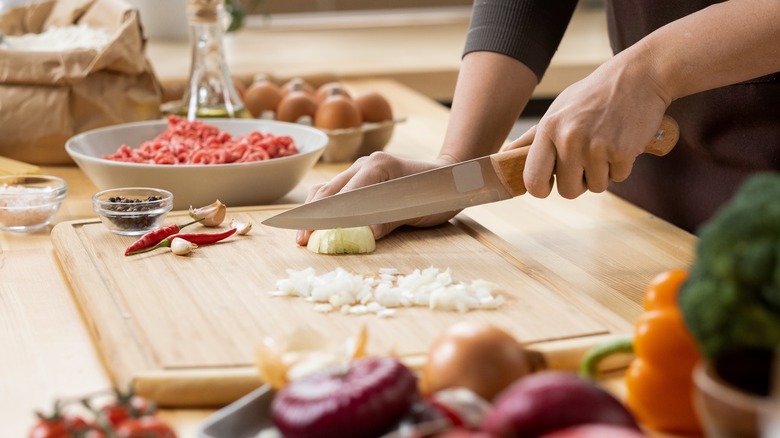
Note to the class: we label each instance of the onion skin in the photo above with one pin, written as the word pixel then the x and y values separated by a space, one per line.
pixel 549 400
pixel 362 399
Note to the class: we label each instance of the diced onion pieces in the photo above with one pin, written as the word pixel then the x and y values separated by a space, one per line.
pixel 382 293
pixel 357 240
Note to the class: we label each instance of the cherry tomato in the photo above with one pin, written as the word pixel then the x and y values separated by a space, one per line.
pixel 125 407
pixel 149 426
pixel 59 426
pixel 94 433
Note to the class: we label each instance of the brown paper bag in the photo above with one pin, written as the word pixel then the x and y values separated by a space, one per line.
pixel 48 96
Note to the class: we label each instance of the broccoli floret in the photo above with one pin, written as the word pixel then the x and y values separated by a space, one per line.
pixel 731 301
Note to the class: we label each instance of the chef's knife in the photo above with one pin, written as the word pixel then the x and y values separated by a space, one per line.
pixel 491 178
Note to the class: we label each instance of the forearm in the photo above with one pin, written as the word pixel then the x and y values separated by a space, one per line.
pixel 724 44
pixel 491 92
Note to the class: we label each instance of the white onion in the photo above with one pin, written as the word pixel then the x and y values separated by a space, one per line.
pixel 382 293
pixel 357 240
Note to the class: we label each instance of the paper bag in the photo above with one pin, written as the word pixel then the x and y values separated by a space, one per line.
pixel 48 96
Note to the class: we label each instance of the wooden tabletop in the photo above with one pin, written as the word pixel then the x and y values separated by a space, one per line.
pixel 423 56
pixel 47 351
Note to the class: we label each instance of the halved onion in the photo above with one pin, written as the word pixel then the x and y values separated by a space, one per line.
pixel 357 240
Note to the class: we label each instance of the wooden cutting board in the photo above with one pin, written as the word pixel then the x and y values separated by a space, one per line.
pixel 183 330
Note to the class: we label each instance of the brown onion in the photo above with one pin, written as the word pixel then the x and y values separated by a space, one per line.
pixel 477 356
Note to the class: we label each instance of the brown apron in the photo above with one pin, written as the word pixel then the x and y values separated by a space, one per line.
pixel 725 134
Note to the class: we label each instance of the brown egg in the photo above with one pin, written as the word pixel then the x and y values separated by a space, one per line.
pixel 295 105
pixel 374 107
pixel 240 86
pixel 325 90
pixel 262 95
pixel 477 356
pixel 337 112
pixel 297 84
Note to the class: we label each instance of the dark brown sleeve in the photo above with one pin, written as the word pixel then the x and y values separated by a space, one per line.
pixel 527 30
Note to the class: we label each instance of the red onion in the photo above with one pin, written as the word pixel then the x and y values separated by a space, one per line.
pixel 364 398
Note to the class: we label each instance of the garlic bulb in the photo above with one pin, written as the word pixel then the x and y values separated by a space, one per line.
pixel 357 240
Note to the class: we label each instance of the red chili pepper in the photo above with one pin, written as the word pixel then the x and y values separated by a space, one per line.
pixel 154 237
pixel 196 238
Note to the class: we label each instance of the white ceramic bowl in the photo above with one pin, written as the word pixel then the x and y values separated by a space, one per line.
pixel 236 184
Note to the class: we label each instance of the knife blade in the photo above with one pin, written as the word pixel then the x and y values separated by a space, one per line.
pixel 491 178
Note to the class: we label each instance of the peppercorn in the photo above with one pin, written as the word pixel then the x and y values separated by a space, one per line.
pixel 122 204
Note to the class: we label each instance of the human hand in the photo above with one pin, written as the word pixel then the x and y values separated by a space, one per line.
pixel 375 168
pixel 593 131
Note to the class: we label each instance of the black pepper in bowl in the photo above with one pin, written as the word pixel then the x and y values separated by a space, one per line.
pixel 130 205
pixel 133 211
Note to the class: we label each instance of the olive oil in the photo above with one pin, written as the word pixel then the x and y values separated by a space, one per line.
pixel 210 91
pixel 217 113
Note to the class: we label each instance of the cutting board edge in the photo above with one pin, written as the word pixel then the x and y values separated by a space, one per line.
pixel 184 388
pixel 174 387
pixel 123 358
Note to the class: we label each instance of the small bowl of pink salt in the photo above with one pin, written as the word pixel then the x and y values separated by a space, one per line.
pixel 29 202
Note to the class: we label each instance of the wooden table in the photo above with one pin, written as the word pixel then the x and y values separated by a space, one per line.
pixel 423 56
pixel 46 350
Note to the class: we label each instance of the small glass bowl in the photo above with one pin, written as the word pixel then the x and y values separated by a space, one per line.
pixel 132 211
pixel 29 202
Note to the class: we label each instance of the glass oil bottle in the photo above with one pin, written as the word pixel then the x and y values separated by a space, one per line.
pixel 210 90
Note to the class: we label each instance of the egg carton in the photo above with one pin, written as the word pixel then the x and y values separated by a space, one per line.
pixel 349 144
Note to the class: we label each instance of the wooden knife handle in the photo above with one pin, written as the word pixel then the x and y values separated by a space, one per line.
pixel 509 164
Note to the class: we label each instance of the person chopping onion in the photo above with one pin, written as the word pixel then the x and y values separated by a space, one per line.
pixel 713 66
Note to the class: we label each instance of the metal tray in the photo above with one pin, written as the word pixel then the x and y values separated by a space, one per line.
pixel 248 416
pixel 244 418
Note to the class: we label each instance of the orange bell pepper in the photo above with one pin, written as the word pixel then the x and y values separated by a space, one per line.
pixel 659 380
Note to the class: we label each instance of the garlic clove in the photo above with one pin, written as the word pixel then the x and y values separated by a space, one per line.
pixel 242 228
pixel 182 247
pixel 213 214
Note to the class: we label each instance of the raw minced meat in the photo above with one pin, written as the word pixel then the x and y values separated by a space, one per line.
pixel 196 142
